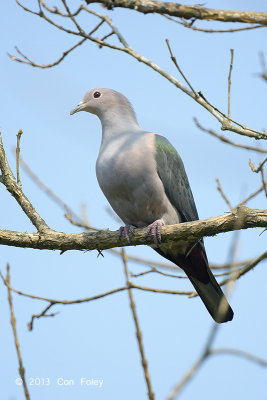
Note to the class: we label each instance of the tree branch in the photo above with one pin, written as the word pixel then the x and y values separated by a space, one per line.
pixel 240 353
pixel 186 12
pixel 240 218
pixel 14 188
pixel 190 25
pixel 198 97
pixel 150 393
pixel 14 329
pixel 225 140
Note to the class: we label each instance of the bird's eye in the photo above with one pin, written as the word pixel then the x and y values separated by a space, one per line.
pixel 97 94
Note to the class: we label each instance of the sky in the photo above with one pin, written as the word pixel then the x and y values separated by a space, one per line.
pixel 97 340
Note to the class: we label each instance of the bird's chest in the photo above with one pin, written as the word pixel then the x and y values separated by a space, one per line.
pixel 119 169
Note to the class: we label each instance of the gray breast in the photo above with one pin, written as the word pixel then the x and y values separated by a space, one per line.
pixel 127 174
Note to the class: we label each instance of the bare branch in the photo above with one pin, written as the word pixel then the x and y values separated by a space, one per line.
pixel 17 156
pixel 240 353
pixel 14 329
pixel 242 271
pixel 219 188
pixel 226 125
pixel 56 301
pixel 59 12
pixel 33 64
pixel 229 80
pixel 47 190
pixel 155 270
pixel 179 69
pixel 196 366
pixel 40 315
pixel 225 140
pixel 252 195
pixel 8 179
pixel 187 12
pixel 198 97
pixel 260 167
pixel 194 28
pixel 191 231
pixel 137 327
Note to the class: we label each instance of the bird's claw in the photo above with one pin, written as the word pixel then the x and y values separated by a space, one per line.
pixel 126 231
pixel 155 230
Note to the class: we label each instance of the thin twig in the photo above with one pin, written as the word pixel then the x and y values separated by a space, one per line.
pixel 107 36
pixel 49 192
pixel 59 12
pixel 137 327
pixel 179 69
pixel 227 126
pixel 207 348
pixel 196 366
pixel 229 80
pixel 240 353
pixel 260 169
pixel 225 140
pixel 8 179
pixel 155 270
pixel 17 155
pixel 242 271
pixel 219 188
pixel 14 329
pixel 43 66
pixel 26 60
pixel 64 302
pixel 40 315
pixel 254 169
pixel 251 196
pixel 194 28
pixel 53 302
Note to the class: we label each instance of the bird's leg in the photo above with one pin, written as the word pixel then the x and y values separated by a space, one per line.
pixel 126 230
pixel 155 230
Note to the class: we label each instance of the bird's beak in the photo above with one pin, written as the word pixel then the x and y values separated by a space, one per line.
pixel 78 108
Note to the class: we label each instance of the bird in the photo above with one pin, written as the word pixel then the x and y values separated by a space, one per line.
pixel 144 180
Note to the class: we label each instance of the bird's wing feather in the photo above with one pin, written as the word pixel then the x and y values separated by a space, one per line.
pixel 171 171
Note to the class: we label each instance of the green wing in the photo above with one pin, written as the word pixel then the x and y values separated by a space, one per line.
pixel 173 176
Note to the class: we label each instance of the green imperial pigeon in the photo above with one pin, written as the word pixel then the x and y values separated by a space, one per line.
pixel 144 180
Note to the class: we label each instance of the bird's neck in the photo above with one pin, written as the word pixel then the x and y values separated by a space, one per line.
pixel 115 123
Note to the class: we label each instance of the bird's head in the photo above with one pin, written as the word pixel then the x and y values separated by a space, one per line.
pixel 99 101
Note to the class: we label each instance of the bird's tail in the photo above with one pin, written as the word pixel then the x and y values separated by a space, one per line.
pixel 195 265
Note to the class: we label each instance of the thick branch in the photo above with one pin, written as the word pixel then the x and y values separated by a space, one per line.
pixel 187 12
pixel 241 218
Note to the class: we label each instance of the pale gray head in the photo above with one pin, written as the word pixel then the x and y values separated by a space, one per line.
pixel 110 106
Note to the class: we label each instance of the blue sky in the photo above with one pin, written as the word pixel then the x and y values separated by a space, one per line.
pixel 97 340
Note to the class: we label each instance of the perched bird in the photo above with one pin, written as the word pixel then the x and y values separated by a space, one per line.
pixel 144 180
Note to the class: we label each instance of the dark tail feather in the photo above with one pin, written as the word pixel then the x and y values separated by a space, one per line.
pixel 195 265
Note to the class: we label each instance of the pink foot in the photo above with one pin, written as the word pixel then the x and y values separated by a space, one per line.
pixel 155 230
pixel 126 231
